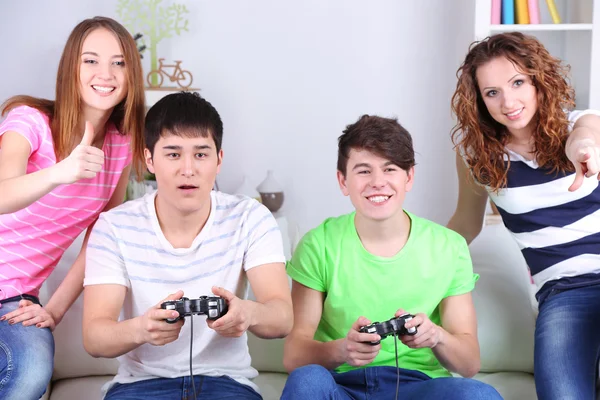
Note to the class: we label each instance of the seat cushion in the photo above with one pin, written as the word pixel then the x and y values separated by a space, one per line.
pixel 79 388
pixel 267 354
pixel 271 384
pixel 510 385
pixel 503 302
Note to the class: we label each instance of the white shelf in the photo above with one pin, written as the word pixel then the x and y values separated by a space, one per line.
pixel 541 27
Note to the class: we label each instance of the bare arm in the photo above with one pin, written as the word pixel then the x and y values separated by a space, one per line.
pixel 104 336
pixel 586 127
pixel 458 347
pixel 270 316
pixel 300 347
pixel 70 288
pixel 21 189
pixel 583 148
pixel 272 311
pixel 470 209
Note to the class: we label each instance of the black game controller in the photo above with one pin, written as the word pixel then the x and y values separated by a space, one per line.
pixel 394 326
pixel 213 307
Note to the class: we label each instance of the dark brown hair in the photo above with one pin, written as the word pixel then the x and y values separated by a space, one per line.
pixel 384 137
pixel 64 113
pixel 480 139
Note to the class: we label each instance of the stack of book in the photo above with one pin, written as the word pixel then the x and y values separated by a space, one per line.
pixel 521 11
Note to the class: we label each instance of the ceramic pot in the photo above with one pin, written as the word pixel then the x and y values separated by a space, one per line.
pixel 271 192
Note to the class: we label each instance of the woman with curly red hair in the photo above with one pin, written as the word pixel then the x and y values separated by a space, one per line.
pixel 519 143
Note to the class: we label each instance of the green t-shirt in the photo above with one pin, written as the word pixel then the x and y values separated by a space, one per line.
pixel 434 264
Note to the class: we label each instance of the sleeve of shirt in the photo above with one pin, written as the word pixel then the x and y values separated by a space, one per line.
pixel 27 122
pixel 464 278
pixel 307 264
pixel 265 245
pixel 104 263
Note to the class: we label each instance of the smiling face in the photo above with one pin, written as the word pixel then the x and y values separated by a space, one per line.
pixel 375 185
pixel 509 95
pixel 102 72
pixel 186 169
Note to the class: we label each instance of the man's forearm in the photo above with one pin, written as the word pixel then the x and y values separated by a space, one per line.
pixel 458 353
pixel 304 351
pixel 109 339
pixel 272 319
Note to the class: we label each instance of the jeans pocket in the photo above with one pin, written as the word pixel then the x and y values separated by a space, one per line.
pixel 553 292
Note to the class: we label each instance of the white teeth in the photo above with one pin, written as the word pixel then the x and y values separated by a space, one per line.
pixel 378 199
pixel 515 113
pixel 103 89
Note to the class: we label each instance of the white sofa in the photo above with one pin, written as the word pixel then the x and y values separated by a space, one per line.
pixel 503 299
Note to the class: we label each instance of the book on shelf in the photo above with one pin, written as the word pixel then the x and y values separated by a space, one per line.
pixel 509 12
pixel 534 11
pixel 553 11
pixel 496 12
pixel 521 12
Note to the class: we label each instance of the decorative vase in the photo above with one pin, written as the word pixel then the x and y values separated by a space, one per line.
pixel 271 192
pixel 246 189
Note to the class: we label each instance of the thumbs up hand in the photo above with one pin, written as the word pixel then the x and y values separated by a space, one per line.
pixel 84 162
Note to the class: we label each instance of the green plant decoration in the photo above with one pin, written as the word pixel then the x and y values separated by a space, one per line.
pixel 155 21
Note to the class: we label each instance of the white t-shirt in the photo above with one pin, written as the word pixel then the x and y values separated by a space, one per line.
pixel 127 247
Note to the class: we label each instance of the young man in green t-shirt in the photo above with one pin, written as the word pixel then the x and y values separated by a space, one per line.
pixel 374 264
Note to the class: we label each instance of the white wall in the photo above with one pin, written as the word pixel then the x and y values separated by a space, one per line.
pixel 287 77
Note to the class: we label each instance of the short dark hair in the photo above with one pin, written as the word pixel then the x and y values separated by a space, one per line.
pixel 384 137
pixel 182 114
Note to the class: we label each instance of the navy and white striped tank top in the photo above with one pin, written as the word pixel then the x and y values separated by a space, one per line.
pixel 557 231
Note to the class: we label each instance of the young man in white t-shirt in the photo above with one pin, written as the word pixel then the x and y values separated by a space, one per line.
pixel 183 240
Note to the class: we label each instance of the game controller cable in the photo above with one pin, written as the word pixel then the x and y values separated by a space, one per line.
pixel 191 345
pixel 397 366
pixel 394 327
pixel 213 307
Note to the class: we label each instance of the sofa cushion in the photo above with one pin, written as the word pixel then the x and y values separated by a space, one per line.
pixel 510 385
pixel 267 355
pixel 503 302
pixel 79 388
pixel 271 384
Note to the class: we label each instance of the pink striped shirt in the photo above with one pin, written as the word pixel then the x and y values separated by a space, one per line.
pixel 33 240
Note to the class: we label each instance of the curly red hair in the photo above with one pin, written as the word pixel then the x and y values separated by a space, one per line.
pixel 481 139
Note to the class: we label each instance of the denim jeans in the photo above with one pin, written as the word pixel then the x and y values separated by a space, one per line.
pixel 26 358
pixel 314 382
pixel 207 387
pixel 567 344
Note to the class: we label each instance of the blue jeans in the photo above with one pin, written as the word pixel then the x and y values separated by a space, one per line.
pixel 567 344
pixel 207 387
pixel 314 382
pixel 26 358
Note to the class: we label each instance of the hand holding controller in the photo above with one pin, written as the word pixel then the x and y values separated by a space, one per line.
pixel 213 307
pixel 394 326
